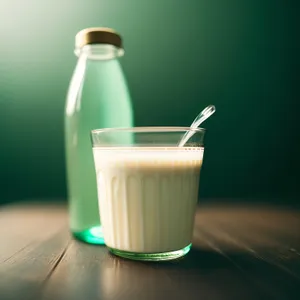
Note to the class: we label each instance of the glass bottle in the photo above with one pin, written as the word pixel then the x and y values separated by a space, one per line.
pixel 98 97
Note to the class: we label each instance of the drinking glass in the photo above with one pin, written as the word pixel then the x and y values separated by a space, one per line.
pixel 147 189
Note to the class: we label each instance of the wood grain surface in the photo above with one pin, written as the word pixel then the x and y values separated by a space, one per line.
pixel 239 252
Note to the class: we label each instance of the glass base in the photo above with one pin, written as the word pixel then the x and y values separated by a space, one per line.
pixel 163 256
pixel 91 235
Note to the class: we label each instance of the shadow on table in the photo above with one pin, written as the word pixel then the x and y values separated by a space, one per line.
pixel 196 259
pixel 200 274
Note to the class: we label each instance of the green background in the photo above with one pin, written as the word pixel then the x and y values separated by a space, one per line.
pixel 180 56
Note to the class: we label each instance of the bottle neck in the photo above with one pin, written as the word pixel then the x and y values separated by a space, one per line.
pixel 99 52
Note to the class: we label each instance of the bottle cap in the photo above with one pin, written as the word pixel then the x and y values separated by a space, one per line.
pixel 98 35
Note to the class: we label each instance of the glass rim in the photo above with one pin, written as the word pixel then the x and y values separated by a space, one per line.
pixel 149 129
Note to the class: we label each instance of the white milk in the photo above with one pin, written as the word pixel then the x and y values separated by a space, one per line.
pixel 147 196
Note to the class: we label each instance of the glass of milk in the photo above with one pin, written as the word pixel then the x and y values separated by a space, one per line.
pixel 147 189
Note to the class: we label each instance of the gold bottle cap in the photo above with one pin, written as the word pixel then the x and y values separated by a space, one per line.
pixel 98 35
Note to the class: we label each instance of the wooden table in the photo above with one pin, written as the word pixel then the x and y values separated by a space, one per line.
pixel 239 252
